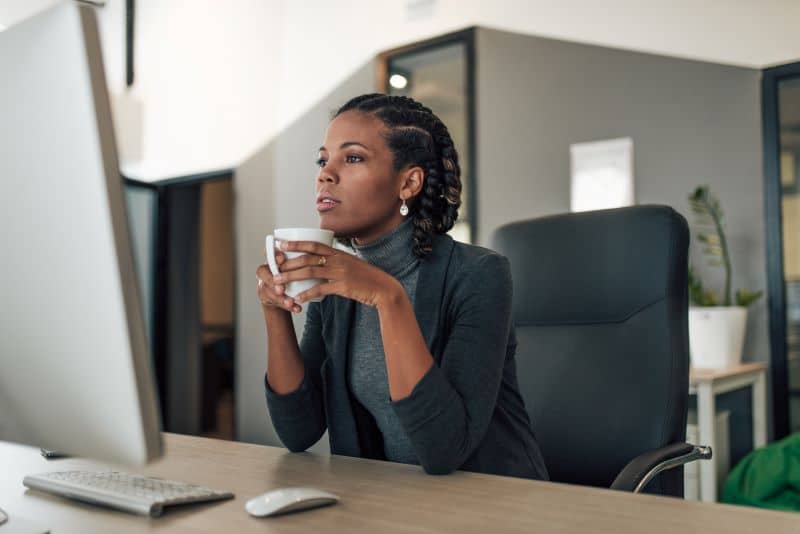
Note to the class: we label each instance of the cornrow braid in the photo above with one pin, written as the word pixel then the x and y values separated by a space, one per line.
pixel 417 137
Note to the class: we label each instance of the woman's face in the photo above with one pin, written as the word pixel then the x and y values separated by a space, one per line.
pixel 357 174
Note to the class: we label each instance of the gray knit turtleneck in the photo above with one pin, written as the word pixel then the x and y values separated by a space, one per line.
pixel 367 370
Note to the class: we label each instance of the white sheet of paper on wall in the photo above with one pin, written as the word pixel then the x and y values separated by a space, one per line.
pixel 602 174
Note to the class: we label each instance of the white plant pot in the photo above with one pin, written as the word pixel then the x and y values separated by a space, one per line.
pixel 716 336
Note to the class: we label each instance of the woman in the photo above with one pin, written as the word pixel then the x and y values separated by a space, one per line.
pixel 410 357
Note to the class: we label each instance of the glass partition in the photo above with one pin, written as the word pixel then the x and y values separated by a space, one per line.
pixel 439 75
pixel 789 167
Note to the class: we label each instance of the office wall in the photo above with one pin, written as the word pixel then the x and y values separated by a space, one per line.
pixel 275 188
pixel 691 123
pixel 216 80
pixel 333 41
pixel 205 86
pixel 206 80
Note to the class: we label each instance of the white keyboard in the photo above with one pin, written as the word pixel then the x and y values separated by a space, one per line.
pixel 131 493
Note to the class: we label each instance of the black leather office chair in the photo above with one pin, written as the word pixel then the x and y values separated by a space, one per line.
pixel 600 307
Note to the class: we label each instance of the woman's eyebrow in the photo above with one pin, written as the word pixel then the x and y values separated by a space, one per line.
pixel 346 144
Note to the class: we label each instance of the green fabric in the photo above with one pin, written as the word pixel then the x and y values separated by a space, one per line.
pixel 768 477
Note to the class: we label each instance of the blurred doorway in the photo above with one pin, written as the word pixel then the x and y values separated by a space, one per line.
pixel 781 107
pixel 183 240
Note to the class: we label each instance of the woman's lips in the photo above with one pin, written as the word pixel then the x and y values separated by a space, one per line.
pixel 326 206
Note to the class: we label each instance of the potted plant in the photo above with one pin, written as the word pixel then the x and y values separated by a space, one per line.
pixel 716 325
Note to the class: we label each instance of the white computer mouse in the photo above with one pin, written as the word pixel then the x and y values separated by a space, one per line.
pixel 285 500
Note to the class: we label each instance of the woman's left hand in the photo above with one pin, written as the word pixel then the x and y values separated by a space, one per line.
pixel 347 275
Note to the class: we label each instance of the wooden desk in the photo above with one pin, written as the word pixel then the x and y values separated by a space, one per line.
pixel 707 384
pixel 376 497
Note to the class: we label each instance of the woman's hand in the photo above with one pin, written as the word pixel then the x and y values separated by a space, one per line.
pixel 346 275
pixel 270 293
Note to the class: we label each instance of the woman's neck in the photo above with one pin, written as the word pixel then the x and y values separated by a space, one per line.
pixel 392 252
pixel 384 229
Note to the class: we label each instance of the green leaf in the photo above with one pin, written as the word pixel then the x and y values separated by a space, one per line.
pixel 709 298
pixel 698 295
pixel 711 239
pixel 700 193
pixel 745 297
pixel 709 217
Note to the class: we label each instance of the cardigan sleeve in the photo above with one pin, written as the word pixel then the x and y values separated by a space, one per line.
pixel 448 412
pixel 299 416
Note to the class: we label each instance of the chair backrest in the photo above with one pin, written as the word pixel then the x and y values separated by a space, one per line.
pixel 600 308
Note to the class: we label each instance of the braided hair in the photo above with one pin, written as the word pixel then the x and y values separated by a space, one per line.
pixel 417 137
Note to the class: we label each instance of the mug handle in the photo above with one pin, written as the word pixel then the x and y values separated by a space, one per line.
pixel 273 264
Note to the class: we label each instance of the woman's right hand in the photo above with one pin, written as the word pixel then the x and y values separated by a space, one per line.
pixel 270 294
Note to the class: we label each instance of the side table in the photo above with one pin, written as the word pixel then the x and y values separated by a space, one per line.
pixel 707 384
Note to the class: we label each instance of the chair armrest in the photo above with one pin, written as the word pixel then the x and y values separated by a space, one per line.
pixel 642 469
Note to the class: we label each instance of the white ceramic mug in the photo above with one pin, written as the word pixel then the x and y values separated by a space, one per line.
pixel 325 237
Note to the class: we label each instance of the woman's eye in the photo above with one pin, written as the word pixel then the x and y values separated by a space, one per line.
pixel 321 162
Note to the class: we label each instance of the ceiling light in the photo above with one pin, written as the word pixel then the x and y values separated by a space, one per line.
pixel 398 81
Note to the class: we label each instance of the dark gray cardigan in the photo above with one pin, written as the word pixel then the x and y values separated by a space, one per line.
pixel 465 413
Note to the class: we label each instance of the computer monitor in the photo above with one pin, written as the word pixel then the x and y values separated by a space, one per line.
pixel 75 369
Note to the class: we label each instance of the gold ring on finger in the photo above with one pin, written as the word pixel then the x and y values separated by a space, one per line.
pixel 322 261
